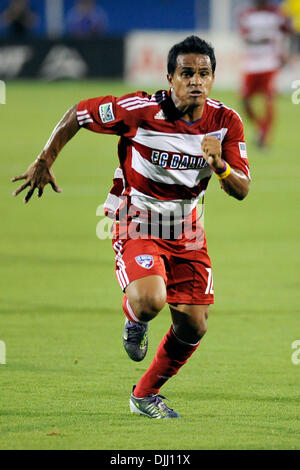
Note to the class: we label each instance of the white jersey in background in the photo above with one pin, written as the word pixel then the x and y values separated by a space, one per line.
pixel 262 29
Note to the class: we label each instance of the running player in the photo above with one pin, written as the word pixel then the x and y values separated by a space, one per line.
pixel 171 143
pixel 262 28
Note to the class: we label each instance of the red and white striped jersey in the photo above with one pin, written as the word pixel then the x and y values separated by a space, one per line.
pixel 262 30
pixel 161 161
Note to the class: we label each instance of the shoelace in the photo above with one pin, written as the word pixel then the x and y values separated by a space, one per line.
pixel 137 326
pixel 157 400
pixel 135 330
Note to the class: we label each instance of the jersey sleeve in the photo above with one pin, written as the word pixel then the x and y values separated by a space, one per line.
pixel 234 150
pixel 104 115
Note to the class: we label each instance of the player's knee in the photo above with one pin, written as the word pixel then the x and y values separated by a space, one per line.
pixel 150 304
pixel 200 325
pixel 201 330
pixel 153 304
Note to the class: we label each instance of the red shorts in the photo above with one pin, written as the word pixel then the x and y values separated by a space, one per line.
pixel 185 266
pixel 263 83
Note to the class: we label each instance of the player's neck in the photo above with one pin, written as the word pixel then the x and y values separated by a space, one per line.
pixel 188 112
pixel 193 114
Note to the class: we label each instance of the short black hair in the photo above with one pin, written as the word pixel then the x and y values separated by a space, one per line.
pixel 191 45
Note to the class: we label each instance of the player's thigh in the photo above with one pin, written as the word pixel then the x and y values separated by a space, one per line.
pixel 141 273
pixel 147 295
pixel 269 85
pixel 248 88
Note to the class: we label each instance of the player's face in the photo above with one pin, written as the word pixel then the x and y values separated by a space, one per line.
pixel 192 80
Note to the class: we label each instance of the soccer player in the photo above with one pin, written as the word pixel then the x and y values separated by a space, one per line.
pixel 262 28
pixel 171 143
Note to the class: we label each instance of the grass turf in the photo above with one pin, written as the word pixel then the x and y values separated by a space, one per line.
pixel 67 379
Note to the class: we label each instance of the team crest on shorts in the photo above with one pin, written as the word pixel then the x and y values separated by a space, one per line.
pixel 145 261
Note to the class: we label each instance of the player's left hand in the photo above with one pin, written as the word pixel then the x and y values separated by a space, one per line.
pixel 212 152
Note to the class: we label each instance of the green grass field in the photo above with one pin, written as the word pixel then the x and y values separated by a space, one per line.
pixel 67 379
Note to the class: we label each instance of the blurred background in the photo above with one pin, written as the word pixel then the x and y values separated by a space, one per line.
pixel 129 40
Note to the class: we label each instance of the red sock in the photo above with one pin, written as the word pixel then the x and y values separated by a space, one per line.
pixel 171 354
pixel 128 310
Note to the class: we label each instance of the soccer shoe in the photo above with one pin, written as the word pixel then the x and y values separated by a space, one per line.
pixel 135 340
pixel 152 406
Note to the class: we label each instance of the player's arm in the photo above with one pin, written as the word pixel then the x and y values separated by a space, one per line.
pixel 232 180
pixel 39 173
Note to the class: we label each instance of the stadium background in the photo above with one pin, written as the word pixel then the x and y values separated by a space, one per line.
pixel 66 380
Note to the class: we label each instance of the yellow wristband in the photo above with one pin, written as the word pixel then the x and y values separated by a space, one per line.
pixel 225 173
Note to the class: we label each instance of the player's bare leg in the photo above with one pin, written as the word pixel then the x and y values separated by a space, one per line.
pixel 147 296
pixel 258 122
pixel 267 122
pixel 189 321
pixel 262 124
pixel 143 300
pixel 249 109
pixel 180 342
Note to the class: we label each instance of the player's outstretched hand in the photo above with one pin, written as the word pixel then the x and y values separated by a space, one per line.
pixel 37 176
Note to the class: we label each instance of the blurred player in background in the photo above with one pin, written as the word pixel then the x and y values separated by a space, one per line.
pixel 19 18
pixel 262 27
pixel 171 143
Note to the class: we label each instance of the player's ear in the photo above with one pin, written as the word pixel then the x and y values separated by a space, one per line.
pixel 170 79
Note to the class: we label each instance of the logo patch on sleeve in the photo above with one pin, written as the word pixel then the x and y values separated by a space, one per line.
pixel 243 150
pixel 145 261
pixel 106 112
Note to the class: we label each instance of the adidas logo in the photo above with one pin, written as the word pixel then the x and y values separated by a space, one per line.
pixel 160 115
